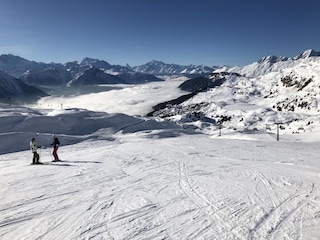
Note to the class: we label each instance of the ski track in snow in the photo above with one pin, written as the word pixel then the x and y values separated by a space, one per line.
pixel 187 187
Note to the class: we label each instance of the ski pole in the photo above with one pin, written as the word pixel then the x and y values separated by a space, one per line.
pixel 39 154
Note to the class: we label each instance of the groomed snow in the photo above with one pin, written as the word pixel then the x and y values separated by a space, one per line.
pixel 142 186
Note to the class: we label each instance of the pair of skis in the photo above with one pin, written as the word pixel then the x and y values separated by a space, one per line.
pixel 44 163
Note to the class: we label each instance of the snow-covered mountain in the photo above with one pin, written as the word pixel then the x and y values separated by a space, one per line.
pixel 55 77
pixel 52 76
pixel 160 68
pixel 88 71
pixel 308 53
pixel 93 76
pixel 11 87
pixel 270 64
pixel 254 97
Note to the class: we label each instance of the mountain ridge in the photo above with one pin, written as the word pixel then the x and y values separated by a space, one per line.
pixel 17 66
pixel 156 67
pixel 90 71
pixel 269 64
pixel 67 75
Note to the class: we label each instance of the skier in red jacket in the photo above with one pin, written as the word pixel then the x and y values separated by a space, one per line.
pixel 55 144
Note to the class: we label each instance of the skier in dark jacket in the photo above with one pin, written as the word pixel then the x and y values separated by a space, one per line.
pixel 55 144
pixel 34 147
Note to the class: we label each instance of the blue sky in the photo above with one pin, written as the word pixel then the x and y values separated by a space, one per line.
pixel 209 32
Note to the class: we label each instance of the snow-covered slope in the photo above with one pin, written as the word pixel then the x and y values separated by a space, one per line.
pixel 153 184
pixel 74 125
pixel 267 92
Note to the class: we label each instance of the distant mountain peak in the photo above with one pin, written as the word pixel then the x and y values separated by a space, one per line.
pixel 96 63
pixel 155 62
pixel 11 56
pixel 93 61
pixel 308 53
